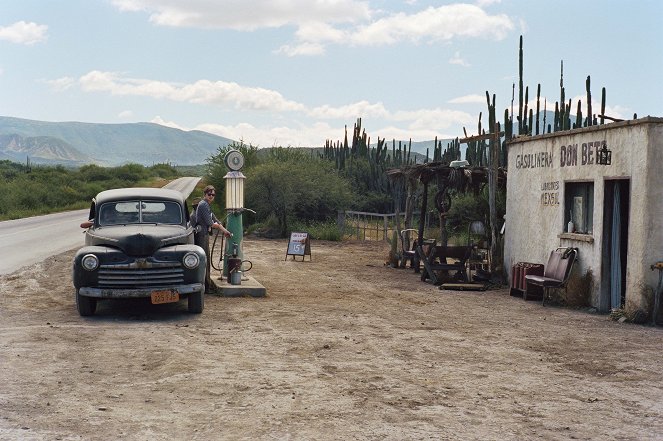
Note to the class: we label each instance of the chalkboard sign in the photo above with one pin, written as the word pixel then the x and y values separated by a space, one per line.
pixel 299 245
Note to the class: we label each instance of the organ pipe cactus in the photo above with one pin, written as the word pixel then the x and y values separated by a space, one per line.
pixel 589 101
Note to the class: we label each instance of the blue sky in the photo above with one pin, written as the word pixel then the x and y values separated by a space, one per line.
pixel 295 72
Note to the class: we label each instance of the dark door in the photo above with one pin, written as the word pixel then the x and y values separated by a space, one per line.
pixel 616 206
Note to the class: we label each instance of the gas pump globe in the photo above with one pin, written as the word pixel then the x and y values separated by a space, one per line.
pixel 234 161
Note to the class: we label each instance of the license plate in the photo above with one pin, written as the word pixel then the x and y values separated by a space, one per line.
pixel 165 296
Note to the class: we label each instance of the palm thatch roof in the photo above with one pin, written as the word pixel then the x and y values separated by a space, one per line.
pixel 461 179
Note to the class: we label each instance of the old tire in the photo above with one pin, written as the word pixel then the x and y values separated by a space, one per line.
pixel 442 201
pixel 86 305
pixel 197 302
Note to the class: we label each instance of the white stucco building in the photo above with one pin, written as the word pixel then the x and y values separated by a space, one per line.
pixel 616 209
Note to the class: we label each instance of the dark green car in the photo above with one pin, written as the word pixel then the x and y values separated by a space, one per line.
pixel 139 244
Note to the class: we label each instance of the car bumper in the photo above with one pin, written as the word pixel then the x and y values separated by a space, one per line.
pixel 114 293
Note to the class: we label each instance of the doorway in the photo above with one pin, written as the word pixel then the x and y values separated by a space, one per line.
pixel 616 205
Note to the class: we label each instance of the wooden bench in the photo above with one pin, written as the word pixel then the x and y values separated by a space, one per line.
pixel 555 274
pixel 411 254
pixel 437 259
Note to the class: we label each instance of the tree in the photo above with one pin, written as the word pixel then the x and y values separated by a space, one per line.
pixel 216 167
pixel 290 185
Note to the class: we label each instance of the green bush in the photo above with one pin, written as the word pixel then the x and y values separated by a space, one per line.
pixel 327 230
pixel 31 190
pixel 305 189
pixel 468 207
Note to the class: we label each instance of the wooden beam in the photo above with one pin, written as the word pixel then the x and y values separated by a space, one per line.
pixel 610 118
pixel 478 137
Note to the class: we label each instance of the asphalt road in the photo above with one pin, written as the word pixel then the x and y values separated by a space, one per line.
pixel 31 240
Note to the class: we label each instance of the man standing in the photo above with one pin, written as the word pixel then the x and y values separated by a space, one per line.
pixel 206 220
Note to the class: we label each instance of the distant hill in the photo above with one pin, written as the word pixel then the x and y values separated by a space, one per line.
pixel 46 148
pixel 76 143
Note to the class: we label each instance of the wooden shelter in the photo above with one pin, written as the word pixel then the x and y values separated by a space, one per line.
pixel 464 179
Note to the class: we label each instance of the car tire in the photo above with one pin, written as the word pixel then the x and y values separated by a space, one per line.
pixel 197 302
pixel 86 305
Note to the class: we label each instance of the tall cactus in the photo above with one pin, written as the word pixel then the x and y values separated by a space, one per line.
pixel 560 124
pixel 538 101
pixel 496 258
pixel 589 101
pixel 527 127
pixel 508 134
pixel 520 87
pixel 602 105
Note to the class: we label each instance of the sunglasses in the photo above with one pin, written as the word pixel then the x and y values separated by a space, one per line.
pixel 211 194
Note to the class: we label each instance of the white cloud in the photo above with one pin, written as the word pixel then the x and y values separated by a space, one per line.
pixel 360 109
pixel 469 99
pixel 125 114
pixel 318 32
pixel 301 49
pixel 483 3
pixel 246 15
pixel 280 136
pixel 158 120
pixel 322 22
pixel 200 92
pixel 61 84
pixel 416 124
pixel 435 24
pixel 22 32
pixel 457 59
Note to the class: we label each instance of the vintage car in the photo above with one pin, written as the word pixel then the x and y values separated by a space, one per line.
pixel 139 243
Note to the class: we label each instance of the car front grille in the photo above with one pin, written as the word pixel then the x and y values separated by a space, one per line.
pixel 140 274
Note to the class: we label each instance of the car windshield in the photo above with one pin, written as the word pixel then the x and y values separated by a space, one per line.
pixel 136 212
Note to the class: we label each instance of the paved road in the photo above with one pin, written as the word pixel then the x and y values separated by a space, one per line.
pixel 31 240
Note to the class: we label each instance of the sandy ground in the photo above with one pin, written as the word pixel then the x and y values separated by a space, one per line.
pixel 341 348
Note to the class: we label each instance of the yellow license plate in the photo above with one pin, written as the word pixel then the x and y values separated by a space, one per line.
pixel 165 296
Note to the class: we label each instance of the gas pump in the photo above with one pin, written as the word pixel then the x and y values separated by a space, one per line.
pixel 234 161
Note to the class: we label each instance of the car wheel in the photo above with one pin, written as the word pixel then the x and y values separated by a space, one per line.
pixel 86 305
pixel 197 302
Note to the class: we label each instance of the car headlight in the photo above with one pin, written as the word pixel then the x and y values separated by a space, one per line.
pixel 191 260
pixel 90 262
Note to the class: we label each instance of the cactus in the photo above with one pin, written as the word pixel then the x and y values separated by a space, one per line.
pixel 531 121
pixel 589 101
pixel 561 122
pixel 527 128
pixel 602 105
pixel 538 100
pixel 508 134
pixel 520 87
pixel 578 122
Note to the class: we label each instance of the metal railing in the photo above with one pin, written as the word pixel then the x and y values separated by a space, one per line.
pixel 362 225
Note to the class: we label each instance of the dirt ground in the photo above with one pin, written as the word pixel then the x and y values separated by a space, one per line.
pixel 342 347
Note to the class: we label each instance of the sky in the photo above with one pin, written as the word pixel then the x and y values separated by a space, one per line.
pixel 296 72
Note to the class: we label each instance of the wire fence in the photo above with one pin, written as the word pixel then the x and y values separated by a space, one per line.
pixel 360 225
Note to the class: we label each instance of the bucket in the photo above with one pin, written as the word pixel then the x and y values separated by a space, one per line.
pixel 236 271
pixel 236 277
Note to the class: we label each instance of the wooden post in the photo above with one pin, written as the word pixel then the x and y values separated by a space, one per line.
pixel 495 258
pixel 386 226
pixel 422 220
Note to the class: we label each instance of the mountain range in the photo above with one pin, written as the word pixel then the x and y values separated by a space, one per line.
pixel 77 143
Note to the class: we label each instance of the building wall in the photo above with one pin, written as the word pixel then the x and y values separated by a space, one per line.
pixel 539 168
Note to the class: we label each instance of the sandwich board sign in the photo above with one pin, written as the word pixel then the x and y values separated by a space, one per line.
pixel 299 245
